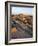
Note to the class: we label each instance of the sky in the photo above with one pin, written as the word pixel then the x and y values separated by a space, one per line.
pixel 17 10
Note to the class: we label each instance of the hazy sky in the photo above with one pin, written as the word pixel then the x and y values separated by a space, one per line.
pixel 17 10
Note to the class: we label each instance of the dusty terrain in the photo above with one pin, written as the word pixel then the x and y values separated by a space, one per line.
pixel 21 26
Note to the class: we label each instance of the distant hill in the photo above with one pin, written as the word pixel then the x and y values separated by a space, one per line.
pixel 25 18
